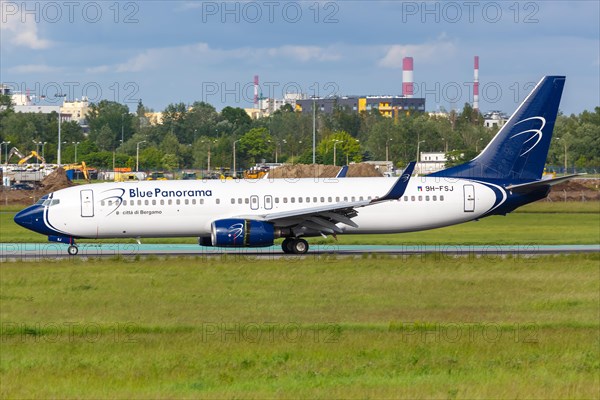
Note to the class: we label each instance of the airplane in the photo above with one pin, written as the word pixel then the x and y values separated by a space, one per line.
pixel 507 174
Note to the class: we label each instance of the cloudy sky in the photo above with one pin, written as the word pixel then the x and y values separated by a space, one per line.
pixel 181 51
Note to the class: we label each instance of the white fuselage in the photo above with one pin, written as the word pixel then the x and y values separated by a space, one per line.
pixel 187 208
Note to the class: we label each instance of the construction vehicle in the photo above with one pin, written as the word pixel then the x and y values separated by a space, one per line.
pixel 256 172
pixel 188 175
pixel 157 176
pixel 77 167
pixel 23 158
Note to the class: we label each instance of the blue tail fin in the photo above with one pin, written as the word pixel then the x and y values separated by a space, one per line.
pixel 518 152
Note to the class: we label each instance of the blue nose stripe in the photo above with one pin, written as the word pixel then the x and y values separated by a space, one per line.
pixel 32 218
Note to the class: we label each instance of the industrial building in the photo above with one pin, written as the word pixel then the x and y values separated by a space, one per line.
pixel 388 106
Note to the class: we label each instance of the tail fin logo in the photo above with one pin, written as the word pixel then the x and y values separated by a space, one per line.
pixel 536 133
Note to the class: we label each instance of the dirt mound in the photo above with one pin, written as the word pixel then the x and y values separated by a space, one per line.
pixel 55 181
pixel 580 189
pixel 322 171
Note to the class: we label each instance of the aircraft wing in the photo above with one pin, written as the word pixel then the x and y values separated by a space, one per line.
pixel 323 219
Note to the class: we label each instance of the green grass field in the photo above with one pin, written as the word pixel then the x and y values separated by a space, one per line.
pixel 372 327
pixel 538 223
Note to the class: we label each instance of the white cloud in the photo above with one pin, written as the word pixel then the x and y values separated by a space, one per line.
pixel 18 33
pixel 425 52
pixel 33 69
pixel 203 54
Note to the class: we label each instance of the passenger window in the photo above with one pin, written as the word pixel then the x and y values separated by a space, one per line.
pixel 162 202
pixel 441 197
pixel 412 198
pixel 218 201
pixel 329 199
pixel 337 199
pixel 146 202
pixel 322 199
pixel 178 202
pixel 292 200
pixel 299 200
pixel 153 202
pixel 426 198
pixel 276 200
pixel 353 198
pixel 232 200
pixel 139 202
pixel 420 198
pixel 101 203
pixel 239 200
pixel 186 201
pixel 361 198
pixel 345 198
pixel 405 198
pixel 247 200
pixel 201 201
pixel 124 202
pixel 109 202
pixel 434 197
pixel 170 202
pixel 285 199
pixel 194 201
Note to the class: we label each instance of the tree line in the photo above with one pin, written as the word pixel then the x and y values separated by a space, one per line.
pixel 191 137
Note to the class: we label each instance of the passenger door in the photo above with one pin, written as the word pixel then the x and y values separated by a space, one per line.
pixel 469 193
pixel 87 203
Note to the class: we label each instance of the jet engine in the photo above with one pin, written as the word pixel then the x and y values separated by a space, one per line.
pixel 242 233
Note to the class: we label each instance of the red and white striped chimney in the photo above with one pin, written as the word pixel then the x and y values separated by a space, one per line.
pixel 407 77
pixel 476 84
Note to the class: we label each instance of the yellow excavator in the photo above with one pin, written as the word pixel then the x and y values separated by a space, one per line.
pixel 79 167
pixel 23 158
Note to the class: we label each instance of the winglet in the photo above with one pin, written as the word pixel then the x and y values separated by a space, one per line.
pixel 342 173
pixel 400 186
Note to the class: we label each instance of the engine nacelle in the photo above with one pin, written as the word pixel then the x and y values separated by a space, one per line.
pixel 242 233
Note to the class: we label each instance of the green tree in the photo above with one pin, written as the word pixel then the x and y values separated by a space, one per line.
pixel 256 144
pixel 346 147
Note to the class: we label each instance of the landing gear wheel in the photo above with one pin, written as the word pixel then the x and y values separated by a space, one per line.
pixel 73 250
pixel 286 246
pixel 299 246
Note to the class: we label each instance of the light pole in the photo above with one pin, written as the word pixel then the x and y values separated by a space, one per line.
pixel 348 151
pixel 208 154
pixel 122 130
pixel 5 151
pixel 137 155
pixel 75 143
pixel 565 144
pixel 387 149
pixel 314 145
pixel 418 148
pixel 43 153
pixel 234 171
pixel 477 145
pixel 335 142
pixel 58 150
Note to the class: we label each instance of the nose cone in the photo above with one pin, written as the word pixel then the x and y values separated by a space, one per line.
pixel 31 218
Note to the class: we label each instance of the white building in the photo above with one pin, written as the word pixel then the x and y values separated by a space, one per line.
pixel 494 119
pixel 430 162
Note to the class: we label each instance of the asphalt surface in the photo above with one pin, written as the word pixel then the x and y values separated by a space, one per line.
pixel 14 251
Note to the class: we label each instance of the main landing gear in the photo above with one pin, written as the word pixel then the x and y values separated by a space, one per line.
pixel 73 250
pixel 294 246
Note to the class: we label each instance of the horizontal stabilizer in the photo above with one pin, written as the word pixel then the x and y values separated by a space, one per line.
pixel 526 187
